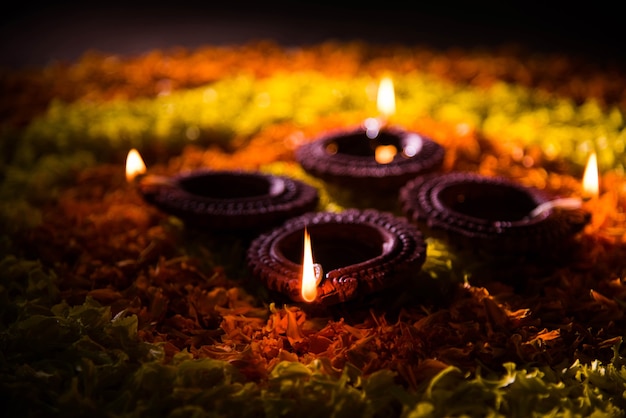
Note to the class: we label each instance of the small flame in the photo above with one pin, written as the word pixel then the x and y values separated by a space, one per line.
pixel 309 281
pixel 386 100
pixel 384 154
pixel 591 183
pixel 134 165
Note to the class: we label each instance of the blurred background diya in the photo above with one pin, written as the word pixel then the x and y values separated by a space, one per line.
pixel 224 199
pixel 492 215
pixel 326 258
pixel 375 156
pixel 383 161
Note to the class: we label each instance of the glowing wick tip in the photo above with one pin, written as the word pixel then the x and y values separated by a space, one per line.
pixel 384 154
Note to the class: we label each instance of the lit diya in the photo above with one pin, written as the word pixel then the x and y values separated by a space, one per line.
pixel 223 199
pixel 374 155
pixel 327 258
pixel 491 214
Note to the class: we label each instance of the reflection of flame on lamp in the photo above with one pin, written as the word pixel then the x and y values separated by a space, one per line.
pixel 309 279
pixel 591 182
pixel 134 165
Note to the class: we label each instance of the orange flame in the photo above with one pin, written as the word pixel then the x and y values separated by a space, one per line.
pixel 386 99
pixel 134 165
pixel 591 182
pixel 309 281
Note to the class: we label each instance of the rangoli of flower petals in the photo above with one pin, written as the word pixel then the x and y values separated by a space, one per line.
pixel 111 307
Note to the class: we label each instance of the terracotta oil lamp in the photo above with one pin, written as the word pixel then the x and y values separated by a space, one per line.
pixel 226 200
pixel 491 215
pixel 352 254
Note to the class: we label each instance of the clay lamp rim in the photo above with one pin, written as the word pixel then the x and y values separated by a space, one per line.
pixel 245 186
pixel 348 156
pixel 279 248
pixel 361 253
pixel 229 199
pixel 340 145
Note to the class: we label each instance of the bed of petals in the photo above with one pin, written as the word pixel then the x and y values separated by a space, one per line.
pixel 111 307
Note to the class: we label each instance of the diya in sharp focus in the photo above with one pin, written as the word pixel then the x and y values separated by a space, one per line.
pixel 491 214
pixel 375 155
pixel 225 199
pixel 356 253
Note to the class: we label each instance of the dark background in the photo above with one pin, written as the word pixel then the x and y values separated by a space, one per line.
pixel 37 35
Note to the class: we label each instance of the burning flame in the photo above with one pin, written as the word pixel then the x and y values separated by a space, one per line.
pixel 386 100
pixel 134 165
pixel 384 154
pixel 591 183
pixel 309 281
